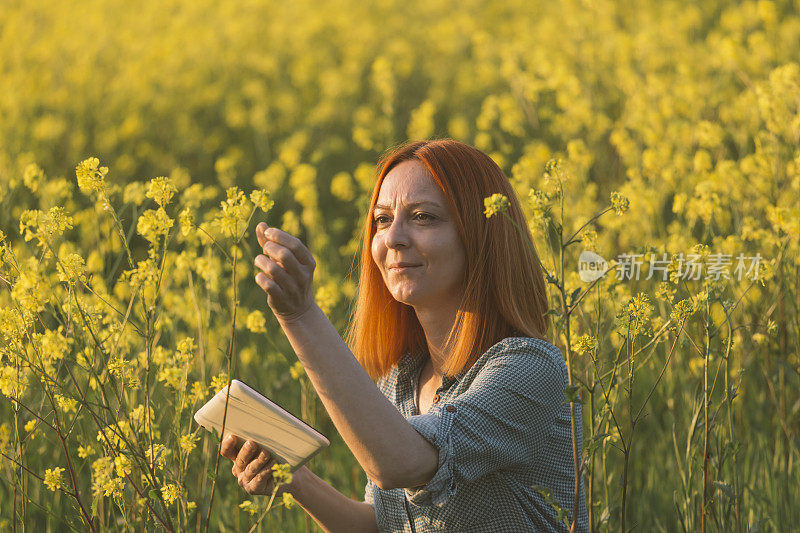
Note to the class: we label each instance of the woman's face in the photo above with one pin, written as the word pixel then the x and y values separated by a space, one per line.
pixel 413 225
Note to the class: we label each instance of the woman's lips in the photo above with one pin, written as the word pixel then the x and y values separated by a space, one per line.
pixel 403 269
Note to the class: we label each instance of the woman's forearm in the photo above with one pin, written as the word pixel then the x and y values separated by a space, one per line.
pixel 332 510
pixel 387 447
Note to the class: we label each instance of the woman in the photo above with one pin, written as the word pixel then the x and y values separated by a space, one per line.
pixel 468 420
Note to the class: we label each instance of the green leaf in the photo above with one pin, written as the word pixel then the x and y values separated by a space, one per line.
pixel 591 445
pixel 153 494
pixel 571 393
pixel 211 475
pixel 95 503
pixel 574 295
pixel 541 489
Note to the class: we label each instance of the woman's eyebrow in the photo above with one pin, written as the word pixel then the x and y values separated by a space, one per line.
pixel 410 205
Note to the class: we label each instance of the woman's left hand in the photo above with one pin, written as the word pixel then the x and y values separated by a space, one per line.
pixel 287 269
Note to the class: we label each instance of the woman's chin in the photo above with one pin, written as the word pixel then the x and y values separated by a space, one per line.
pixel 406 298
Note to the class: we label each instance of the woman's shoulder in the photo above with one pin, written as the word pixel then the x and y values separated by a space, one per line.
pixel 525 357
pixel 526 346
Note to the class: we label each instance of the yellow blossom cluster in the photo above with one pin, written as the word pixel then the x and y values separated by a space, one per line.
pixel 91 176
pixel 161 190
pixel 52 478
pixel 104 481
pixel 170 492
pixel 495 204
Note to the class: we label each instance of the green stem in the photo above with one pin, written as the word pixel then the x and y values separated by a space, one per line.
pixel 227 395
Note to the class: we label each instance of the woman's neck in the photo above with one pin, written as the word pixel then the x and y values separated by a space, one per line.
pixel 436 324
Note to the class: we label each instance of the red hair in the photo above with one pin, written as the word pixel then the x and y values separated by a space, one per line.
pixel 505 293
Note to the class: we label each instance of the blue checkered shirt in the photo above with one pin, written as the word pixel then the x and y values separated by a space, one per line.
pixel 502 429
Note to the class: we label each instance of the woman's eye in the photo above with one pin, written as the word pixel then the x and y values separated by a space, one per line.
pixel 380 219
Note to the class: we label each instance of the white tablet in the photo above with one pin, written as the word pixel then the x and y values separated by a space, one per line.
pixel 254 417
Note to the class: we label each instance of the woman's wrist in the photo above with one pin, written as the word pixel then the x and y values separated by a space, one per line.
pixel 330 509
pixel 300 479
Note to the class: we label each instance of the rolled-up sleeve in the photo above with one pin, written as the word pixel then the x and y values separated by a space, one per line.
pixel 502 421
pixel 368 497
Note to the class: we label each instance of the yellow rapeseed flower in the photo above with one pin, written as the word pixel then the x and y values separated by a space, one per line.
pixel 32 176
pixel 198 392
pixel 248 506
pixel 288 500
pixel 122 465
pixel 188 442
pixel 170 492
pixel 261 199
pixel 219 382
pixel 495 204
pixel 13 382
pixel 540 203
pixel 85 451
pixel 281 473
pixel 72 269
pixel 134 193
pixel 5 436
pixel 34 223
pixel 682 310
pixel 153 224
pixel 161 190
pixel 67 405
pixel 186 220
pixel 327 296
pixel 585 344
pixel 234 212
pixel 619 202
pixel 91 176
pixel 297 370
pixel 52 478
pixel 256 322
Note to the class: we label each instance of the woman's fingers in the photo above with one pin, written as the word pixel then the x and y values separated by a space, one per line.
pixel 270 286
pixel 278 273
pixel 262 482
pixel 249 450
pixel 252 465
pixel 287 271
pixel 290 242
pixel 257 477
pixel 262 240
pixel 257 464
pixel 284 259
pixel 230 447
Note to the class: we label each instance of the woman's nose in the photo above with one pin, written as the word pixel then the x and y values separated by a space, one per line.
pixel 396 235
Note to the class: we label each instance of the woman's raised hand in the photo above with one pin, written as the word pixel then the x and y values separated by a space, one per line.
pixel 252 465
pixel 287 269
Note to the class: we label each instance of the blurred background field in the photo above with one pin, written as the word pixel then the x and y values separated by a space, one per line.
pixel 690 110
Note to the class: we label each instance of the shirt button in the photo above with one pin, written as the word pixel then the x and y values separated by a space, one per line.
pixel 436 398
pixel 451 408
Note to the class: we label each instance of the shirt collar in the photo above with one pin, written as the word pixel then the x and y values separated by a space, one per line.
pixel 410 363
